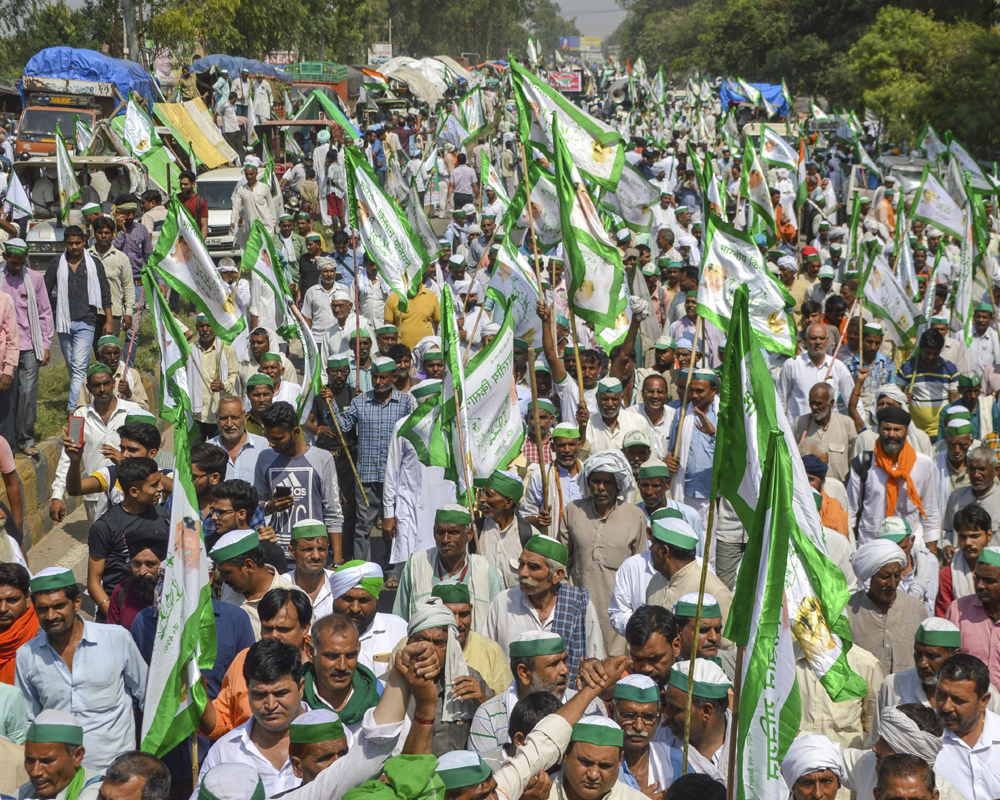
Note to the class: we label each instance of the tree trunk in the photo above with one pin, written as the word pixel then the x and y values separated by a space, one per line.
pixel 130 23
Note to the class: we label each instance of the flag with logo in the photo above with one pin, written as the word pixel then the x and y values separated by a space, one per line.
pixel 454 131
pixel 82 134
pixel 471 106
pixel 787 95
pixel 817 113
pixel 312 369
pixel 175 395
pixel 138 129
pixel 490 179
pixel 261 258
pixel 514 280
pixel 659 88
pixel 69 186
pixel 419 223
pixel 633 200
pixel 931 143
pixel 906 271
pixel 754 188
pixel 387 237
pixel 978 180
pixel 866 162
pixel 184 264
pixel 544 207
pixel 933 206
pixel 815 588
pixel 16 201
pixel 775 150
pixel 731 259
pixel 447 444
pixel 597 149
pixel 882 293
pixel 595 264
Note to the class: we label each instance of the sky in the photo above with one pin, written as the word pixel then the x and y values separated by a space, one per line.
pixel 593 17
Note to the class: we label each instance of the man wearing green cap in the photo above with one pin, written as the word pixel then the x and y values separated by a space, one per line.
pixel 563 371
pixel 449 558
pixel 53 759
pixel 562 479
pixel 973 527
pixel 870 368
pixel 127 381
pixel 502 533
pixel 982 491
pixel 608 429
pixel 260 342
pixel 211 375
pixel 984 414
pixel 102 419
pixel 711 719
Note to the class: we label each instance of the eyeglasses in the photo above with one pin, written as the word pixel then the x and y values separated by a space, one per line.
pixel 629 717
pixel 221 512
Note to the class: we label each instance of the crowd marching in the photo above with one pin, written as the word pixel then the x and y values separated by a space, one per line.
pixel 675 459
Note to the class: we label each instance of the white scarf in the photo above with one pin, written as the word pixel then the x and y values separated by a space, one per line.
pixel 195 369
pixel 33 323
pixel 687 431
pixel 288 249
pixel 962 577
pixel 63 322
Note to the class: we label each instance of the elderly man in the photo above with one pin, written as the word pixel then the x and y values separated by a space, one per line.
pixel 211 375
pixel 601 531
pixel 884 620
pixel 888 395
pixel 53 759
pixel 249 365
pixel 870 368
pixel 449 558
pixel 973 528
pixel 709 632
pixel 562 479
pixel 691 457
pixel 920 573
pixel 678 570
pixel 545 601
pixel 895 480
pixel 336 339
pixel 108 670
pixel 607 430
pixel 982 491
pixel 984 413
pixel 251 201
pixel 646 765
pixel 461 689
pixel 242 447
pixel 950 459
pixel 907 728
pixel 972 732
pixel 822 424
pixel 356 587
pixel 800 374
pixel 813 768
pixel 711 719
pixel 316 302
pixel 127 382
pixel 504 533
pixel 316 739
pixel 538 663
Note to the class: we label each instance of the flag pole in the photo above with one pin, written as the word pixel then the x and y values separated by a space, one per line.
pixel 687 392
pixel 735 711
pixel 840 341
pixel 465 469
pixel 347 452
pixel 485 257
pixel 538 425
pixel 195 766
pixel 697 627
pixel 357 324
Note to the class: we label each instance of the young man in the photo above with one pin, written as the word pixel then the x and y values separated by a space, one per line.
pixel 139 515
pixel 18 623
pixel 118 270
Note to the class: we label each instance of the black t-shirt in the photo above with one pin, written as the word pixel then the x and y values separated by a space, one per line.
pixel 110 532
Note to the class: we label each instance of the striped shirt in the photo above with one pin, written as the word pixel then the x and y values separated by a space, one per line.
pixel 883 371
pixel 931 389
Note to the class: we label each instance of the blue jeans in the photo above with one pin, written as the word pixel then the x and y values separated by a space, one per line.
pixel 75 347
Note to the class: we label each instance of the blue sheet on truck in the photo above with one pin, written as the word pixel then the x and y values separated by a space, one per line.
pixel 89 65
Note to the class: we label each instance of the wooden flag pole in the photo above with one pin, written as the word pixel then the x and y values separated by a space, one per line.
pixel 347 452
pixel 538 424
pixel 687 392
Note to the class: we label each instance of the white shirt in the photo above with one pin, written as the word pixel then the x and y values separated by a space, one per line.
pixel 983 352
pixel 799 375
pixel 337 340
pixel 661 429
pixel 511 613
pixel 568 392
pixel 925 481
pixel 323 604
pixel 973 771
pixel 601 437
pixel 385 632
pixel 629 592
pixel 288 392
pixel 316 307
pixel 237 748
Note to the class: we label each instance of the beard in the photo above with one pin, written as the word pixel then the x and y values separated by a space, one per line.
pixel 143 588
pixel 893 448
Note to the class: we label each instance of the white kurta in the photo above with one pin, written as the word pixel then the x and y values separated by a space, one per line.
pixel 411 494
pixel 629 592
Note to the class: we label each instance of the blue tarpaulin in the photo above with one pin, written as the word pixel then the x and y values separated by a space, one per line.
pixel 89 65
pixel 235 63
pixel 729 95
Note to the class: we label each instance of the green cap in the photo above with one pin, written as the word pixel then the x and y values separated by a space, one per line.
pixel 984 307
pixel 386 329
pixel 338 362
pixel 537 643
pixel 309 529
pixel 609 386
pixel 939 632
pixel 687 607
pixel 637 689
pixel 990 556
pixel 95 368
pixel 544 404
pixel 259 378
pixel 433 355
pixel 427 387
pixel 549 548
pixel 653 469
pixel 381 364
pixel 520 344
pixel 50 579
pixel 969 380
pixel 138 415
pixel 460 769
pixel 710 682
pixel 269 357
pixel 452 514
pixel 895 529
pixel 315 726
pixel 452 591
pixel 598 730
pixel 313 237
pixel 675 532
pixel 108 340
pixel 233 544
pixel 565 430
pixel 502 483
pixel 55 726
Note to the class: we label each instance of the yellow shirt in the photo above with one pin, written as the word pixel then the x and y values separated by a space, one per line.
pixel 422 313
pixel 485 657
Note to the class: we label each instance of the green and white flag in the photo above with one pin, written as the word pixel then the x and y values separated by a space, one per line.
pixel 931 143
pixel 291 144
pixel 82 134
pixel 597 149
pixel 731 259
pixel 884 296
pixel 595 264
pixel 175 394
pixel 419 428
pixel 489 178
pixel 454 131
pixel 471 106
pixel 447 446
pixel 560 61
pixel 770 704
pixel 532 53
pixel 69 186
pixel 966 295
pixel 787 95
pixel 16 200
pixel 386 235
pixel 749 92
pixel 906 271
pixel 182 260
pixel 420 224
pixel 802 187
pixel 544 207
pixel 185 640
pixel 818 113
pixel 312 369
pixel 775 150
pixel 815 588
pixel 754 188
pixel 979 181
pixel 514 280
pixel 261 258
pixel 933 205
pixel 866 162
pixel 493 421
pixel 854 245
pixel 138 130
pixel 659 90
pixel 633 201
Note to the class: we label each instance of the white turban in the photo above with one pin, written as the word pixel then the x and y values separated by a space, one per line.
pixel 433 613
pixel 343 580
pixel 425 344
pixel 874 555
pixel 809 754
pixel 902 735
pixel 612 461
pixel 891 391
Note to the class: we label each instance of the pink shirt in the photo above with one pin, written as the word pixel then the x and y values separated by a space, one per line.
pixel 14 286
pixel 980 634
pixel 10 352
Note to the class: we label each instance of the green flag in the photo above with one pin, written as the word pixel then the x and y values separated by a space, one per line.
pixel 882 293
pixel 175 395
pixel 754 188
pixel 82 134
pixel 471 106
pixel 544 207
pixel 386 235
pixel 69 186
pixel 933 205
pixel 261 258
pixel 595 264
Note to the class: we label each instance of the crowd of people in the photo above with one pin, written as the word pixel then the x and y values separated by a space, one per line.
pixel 562 638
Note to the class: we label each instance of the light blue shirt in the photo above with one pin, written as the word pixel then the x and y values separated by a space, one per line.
pixel 698 470
pixel 108 674
pixel 244 466
pixel 13 717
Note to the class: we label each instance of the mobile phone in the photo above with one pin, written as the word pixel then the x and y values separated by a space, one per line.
pixel 282 491
pixel 76 430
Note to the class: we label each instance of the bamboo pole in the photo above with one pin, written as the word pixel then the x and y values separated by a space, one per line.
pixel 347 452
pixel 538 424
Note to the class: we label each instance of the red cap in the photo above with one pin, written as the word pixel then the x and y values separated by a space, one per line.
pixel 809 251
